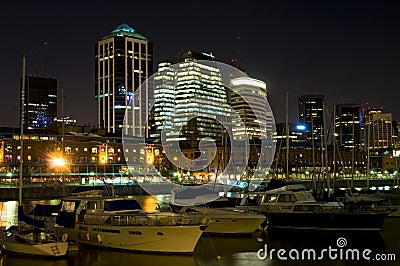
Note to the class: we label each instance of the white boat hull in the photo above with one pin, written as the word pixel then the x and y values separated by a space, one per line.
pixel 234 225
pixel 56 249
pixel 159 239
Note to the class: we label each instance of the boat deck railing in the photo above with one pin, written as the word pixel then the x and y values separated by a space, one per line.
pixel 157 219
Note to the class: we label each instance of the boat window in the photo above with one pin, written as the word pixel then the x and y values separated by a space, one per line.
pixel 307 208
pixel 271 198
pixel 304 196
pixel 292 198
pixel 286 198
pixel 135 233
pixel 190 210
pixel 95 205
pixel 253 200
pixel 68 206
pixel 124 204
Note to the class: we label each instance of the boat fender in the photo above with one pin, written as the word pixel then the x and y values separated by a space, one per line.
pixel 88 237
pixel 99 238
pixel 64 237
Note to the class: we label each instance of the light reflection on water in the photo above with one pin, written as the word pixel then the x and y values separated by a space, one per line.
pixel 239 251
pixel 8 213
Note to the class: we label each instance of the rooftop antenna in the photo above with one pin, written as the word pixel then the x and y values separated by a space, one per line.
pixel 45 58
pixel 236 60
pixel 238 55
pixel 36 61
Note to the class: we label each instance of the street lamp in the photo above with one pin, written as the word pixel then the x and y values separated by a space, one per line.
pixel 9 174
pixel 103 162
pixel 59 163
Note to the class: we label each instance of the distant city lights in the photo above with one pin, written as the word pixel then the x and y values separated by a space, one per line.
pixel 300 127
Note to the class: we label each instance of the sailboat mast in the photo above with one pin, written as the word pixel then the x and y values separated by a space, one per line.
pixel 353 154
pixel 21 137
pixel 334 145
pixel 287 132
pixel 62 141
pixel 368 125
pixel 325 145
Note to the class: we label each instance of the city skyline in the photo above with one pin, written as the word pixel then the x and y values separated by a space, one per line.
pixel 345 51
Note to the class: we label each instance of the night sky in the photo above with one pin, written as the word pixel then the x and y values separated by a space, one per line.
pixel 348 51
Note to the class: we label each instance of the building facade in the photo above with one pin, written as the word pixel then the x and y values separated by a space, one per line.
pixel 190 98
pixel 40 102
pixel 123 62
pixel 311 115
pixel 164 96
pixel 249 101
pixel 348 126
pixel 378 129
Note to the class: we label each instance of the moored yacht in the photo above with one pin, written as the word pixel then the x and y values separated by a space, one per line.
pixel 32 243
pixel 294 207
pixel 227 221
pixel 120 223
pixel 17 239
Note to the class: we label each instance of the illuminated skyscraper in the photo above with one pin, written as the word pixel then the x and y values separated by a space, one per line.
pixel 348 125
pixel 40 102
pixel 199 97
pixel 123 62
pixel 377 129
pixel 311 115
pixel 253 112
pixel 164 96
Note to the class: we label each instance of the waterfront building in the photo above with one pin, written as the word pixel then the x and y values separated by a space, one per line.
pixel 164 97
pixel 348 125
pixel 123 61
pixel 198 95
pixel 306 163
pixel 297 137
pixel 249 101
pixel 377 129
pixel 80 154
pixel 311 115
pixel 40 102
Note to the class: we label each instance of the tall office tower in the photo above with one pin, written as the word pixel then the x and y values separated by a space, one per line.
pixel 377 129
pixel 164 97
pixel 123 62
pixel 200 99
pixel 311 115
pixel 348 125
pixel 252 112
pixel 296 135
pixel 40 102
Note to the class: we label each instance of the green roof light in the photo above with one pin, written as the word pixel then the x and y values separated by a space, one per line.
pixel 124 30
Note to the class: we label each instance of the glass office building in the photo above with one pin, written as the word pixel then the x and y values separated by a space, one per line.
pixel 123 62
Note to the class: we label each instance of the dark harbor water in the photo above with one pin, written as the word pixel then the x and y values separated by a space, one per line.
pixel 211 250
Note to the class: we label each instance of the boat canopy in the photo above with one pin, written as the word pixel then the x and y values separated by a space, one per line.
pixel 121 204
